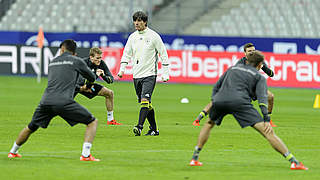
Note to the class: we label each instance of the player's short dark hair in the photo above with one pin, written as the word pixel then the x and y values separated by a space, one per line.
pixel 248 45
pixel 255 58
pixel 70 45
pixel 139 15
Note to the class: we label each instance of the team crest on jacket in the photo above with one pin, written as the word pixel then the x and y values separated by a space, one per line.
pixel 148 41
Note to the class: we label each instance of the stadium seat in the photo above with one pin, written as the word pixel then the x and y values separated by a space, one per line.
pixel 48 13
pixel 281 18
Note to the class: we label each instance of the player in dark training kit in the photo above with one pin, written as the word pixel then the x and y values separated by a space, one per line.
pixel 232 94
pixel 248 48
pixel 57 100
pixel 100 68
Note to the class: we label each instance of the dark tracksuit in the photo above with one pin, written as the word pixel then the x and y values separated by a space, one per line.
pixel 58 99
pixel 233 93
pixel 107 77
pixel 264 68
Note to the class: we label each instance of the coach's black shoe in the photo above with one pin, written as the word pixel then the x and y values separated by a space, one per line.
pixel 152 133
pixel 137 131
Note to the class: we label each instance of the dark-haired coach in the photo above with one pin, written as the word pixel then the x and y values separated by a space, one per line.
pixel 144 47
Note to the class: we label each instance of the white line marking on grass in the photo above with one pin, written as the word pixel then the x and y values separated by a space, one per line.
pixel 40 153
pixel 110 151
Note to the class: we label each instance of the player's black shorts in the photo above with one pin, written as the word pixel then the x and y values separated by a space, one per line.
pixel 73 113
pixel 144 87
pixel 245 114
pixel 95 90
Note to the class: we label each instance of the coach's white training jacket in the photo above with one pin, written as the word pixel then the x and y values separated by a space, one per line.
pixel 143 48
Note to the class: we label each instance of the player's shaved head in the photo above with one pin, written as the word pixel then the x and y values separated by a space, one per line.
pixel 69 45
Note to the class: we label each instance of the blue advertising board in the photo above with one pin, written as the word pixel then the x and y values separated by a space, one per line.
pixel 197 43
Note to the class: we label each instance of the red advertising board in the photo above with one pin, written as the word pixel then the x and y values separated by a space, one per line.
pixel 206 67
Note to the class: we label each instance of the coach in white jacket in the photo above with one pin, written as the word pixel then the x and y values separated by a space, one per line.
pixel 144 47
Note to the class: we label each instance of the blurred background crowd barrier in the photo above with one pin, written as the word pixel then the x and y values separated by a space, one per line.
pixel 203 37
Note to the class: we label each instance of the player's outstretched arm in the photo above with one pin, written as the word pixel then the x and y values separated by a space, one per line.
pixel 267 70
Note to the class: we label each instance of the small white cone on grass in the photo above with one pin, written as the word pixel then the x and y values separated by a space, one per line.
pixel 184 100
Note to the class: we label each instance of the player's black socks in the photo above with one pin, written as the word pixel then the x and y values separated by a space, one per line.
pixel 196 152
pixel 143 113
pixel 151 119
pixel 142 116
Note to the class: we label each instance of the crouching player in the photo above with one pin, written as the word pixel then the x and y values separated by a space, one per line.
pixel 232 95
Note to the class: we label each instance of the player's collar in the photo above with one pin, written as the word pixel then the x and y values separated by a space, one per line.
pixel 66 53
pixel 144 31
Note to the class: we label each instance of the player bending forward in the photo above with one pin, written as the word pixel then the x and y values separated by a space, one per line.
pixel 232 95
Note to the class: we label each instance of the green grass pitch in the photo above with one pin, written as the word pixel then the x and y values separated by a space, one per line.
pixel 231 152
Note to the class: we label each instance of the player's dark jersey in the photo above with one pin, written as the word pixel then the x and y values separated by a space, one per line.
pixel 107 77
pixel 264 68
pixel 239 84
pixel 62 78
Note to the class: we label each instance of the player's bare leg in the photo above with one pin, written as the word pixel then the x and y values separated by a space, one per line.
pixel 108 94
pixel 88 139
pixel 266 130
pixel 273 139
pixel 270 106
pixel 21 139
pixel 23 136
pixel 270 101
pixel 205 133
pixel 91 131
pixel 202 139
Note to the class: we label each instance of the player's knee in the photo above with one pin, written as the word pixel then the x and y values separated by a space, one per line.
pixel 144 103
pixel 104 92
pixel 269 135
pixel 111 93
pixel 94 122
pixel 107 93
pixel 32 127
pixel 210 123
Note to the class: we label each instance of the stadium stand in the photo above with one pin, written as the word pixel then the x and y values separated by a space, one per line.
pixel 4 6
pixel 281 18
pixel 174 18
pixel 70 15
